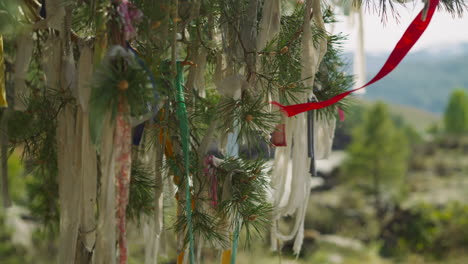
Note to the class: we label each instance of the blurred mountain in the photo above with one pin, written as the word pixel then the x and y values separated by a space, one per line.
pixel 424 79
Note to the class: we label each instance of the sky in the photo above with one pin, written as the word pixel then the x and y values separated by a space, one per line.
pixel 444 30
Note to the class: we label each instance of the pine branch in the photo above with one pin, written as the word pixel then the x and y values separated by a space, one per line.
pixel 383 7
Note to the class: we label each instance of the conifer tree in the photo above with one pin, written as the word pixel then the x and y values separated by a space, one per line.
pixel 9 252
pixel 109 98
pixel 377 157
pixel 456 114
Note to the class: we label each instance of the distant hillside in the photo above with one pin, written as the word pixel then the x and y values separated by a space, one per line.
pixel 419 119
pixel 423 80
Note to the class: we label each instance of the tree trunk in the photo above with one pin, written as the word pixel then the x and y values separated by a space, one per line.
pixel 4 160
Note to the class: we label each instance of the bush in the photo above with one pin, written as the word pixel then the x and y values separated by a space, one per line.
pixel 342 212
pixel 9 253
pixel 427 229
pixel 456 113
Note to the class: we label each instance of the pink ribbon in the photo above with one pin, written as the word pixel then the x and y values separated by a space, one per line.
pixel 129 15
pixel 210 172
pixel 123 149
pixel 341 114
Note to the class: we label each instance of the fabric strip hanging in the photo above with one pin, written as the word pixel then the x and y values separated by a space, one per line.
pixel 341 114
pixel 226 257
pixel 407 41
pixel 43 11
pixel 310 142
pixel 123 167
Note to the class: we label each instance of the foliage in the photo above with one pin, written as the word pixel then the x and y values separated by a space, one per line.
pixel 435 231
pixel 456 114
pixel 434 129
pixel 248 194
pixel 330 253
pixel 245 181
pixel 247 112
pixel 414 138
pixel 282 67
pixel 35 131
pixel 330 80
pixel 16 179
pixel 192 27
pixel 281 59
pixel 10 17
pixel 141 194
pixel 378 155
pixel 347 216
pixel 9 252
pixel 243 197
pixel 118 79
pixel 452 6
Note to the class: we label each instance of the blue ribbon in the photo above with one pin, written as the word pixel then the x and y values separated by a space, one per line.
pixel 43 12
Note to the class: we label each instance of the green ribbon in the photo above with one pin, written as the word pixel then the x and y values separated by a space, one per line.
pixel 235 242
pixel 184 134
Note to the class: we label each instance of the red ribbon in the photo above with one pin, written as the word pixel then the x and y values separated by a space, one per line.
pixel 341 114
pixel 210 171
pixel 123 150
pixel 278 137
pixel 407 41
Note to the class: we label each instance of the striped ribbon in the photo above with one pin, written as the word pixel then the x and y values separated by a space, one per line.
pixel 123 161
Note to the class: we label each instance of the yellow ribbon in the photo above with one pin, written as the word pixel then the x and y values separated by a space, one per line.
pixel 180 258
pixel 226 257
pixel 3 100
